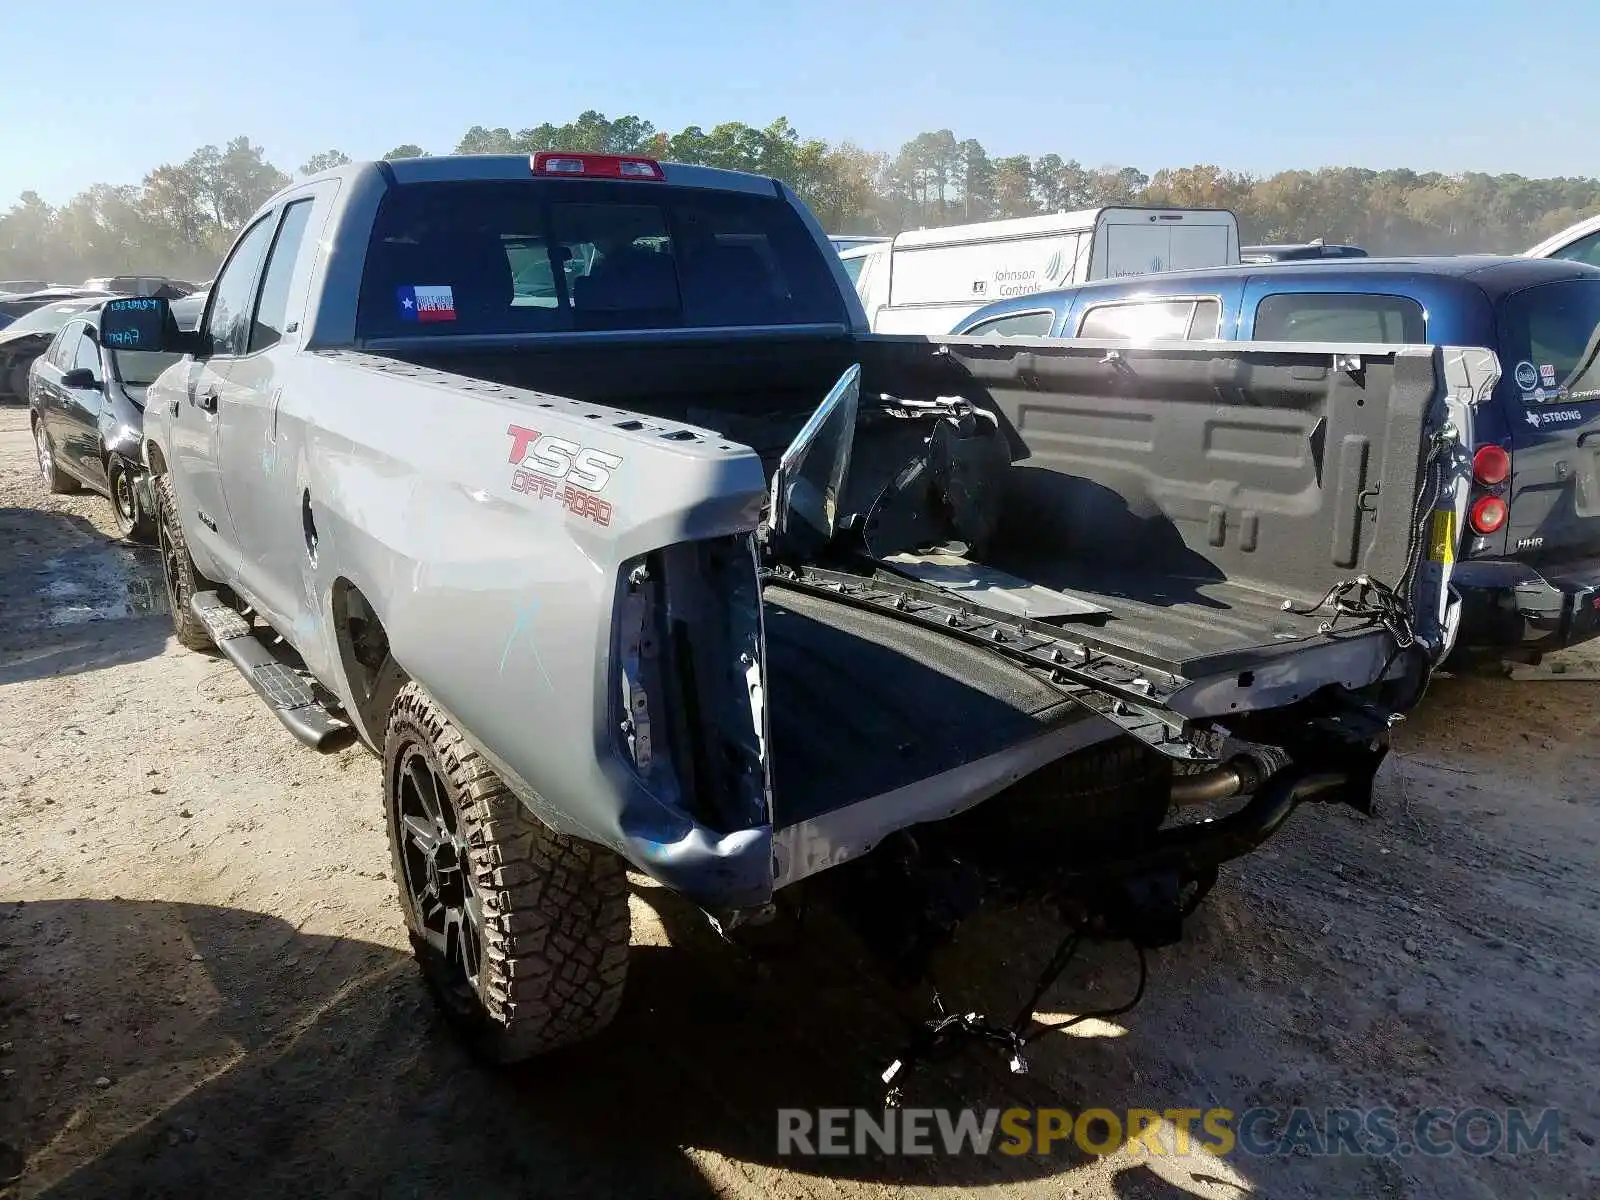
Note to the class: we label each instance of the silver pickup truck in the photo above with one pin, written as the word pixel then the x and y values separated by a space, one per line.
pixel 576 487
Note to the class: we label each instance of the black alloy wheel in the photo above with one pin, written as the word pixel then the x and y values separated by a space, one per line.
pixel 437 877
pixel 56 481
pixel 133 522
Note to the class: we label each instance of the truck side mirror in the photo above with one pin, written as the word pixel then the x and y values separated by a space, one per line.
pixel 145 324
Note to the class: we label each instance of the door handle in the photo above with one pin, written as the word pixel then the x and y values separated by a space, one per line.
pixel 208 402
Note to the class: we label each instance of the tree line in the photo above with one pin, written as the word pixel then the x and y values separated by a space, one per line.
pixel 180 219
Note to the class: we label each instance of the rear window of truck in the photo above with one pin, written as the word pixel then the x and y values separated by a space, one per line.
pixel 551 257
pixel 1550 339
pixel 1340 317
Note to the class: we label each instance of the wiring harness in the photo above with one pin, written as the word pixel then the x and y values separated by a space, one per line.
pixel 944 1030
pixel 1366 602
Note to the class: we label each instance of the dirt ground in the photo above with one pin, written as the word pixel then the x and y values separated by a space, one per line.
pixel 205 989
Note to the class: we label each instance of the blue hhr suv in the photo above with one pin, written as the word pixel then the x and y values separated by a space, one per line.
pixel 1529 573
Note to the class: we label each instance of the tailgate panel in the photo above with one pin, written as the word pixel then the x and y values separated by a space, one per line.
pixel 1263 465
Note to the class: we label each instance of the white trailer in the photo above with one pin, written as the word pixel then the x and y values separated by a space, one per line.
pixel 928 280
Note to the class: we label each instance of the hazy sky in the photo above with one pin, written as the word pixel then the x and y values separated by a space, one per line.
pixel 102 91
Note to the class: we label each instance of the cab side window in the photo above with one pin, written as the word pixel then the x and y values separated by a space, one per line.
pixel 1205 320
pixel 1153 320
pixel 273 308
pixel 1029 324
pixel 1340 317
pixel 228 322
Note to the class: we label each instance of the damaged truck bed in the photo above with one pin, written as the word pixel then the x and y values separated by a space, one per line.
pixel 1034 546
pixel 578 490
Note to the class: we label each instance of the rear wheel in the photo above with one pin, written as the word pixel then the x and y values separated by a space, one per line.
pixel 182 576
pixel 133 522
pixel 521 932
pixel 56 481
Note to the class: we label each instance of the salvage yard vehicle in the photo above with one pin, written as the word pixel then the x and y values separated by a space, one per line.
pixel 29 336
pixel 846 241
pixel 670 564
pixel 141 285
pixel 924 280
pixel 19 306
pixel 1529 574
pixel 86 411
pixel 1296 251
pixel 1579 242
pixel 17 287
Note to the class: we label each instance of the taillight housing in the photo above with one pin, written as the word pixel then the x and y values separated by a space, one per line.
pixel 1488 515
pixel 596 166
pixel 1491 466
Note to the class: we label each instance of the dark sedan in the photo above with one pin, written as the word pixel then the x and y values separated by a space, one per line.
pixel 86 406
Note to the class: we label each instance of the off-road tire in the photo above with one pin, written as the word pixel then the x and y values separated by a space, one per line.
pixel 555 909
pixel 182 576
pixel 139 525
pixel 56 481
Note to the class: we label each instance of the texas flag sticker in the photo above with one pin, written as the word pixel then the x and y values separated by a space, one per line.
pixel 427 303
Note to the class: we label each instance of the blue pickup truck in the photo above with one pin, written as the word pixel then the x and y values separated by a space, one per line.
pixel 1530 571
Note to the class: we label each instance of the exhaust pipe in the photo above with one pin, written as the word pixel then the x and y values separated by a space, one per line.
pixel 1189 849
pixel 1216 784
pixel 1245 773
